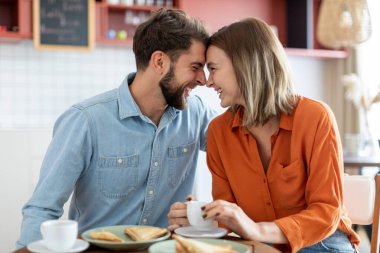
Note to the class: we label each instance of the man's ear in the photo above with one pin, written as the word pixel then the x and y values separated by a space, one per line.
pixel 160 62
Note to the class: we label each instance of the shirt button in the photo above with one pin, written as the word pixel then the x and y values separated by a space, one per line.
pixel 151 192
pixel 184 150
pixel 119 161
pixel 265 181
pixel 268 203
pixel 155 164
pixel 145 221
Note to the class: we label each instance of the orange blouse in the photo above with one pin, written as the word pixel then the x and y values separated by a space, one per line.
pixel 302 189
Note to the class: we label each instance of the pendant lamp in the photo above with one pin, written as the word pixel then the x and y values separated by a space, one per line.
pixel 343 23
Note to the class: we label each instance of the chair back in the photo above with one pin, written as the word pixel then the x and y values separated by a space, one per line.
pixel 362 200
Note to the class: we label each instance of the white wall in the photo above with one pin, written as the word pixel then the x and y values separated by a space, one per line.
pixel 21 153
pixel 368 57
pixel 35 87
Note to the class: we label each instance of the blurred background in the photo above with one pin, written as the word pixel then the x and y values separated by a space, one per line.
pixel 54 53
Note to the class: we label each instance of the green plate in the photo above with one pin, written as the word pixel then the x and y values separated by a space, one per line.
pixel 129 244
pixel 169 245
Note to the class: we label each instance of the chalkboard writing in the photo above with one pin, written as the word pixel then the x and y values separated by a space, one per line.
pixel 63 24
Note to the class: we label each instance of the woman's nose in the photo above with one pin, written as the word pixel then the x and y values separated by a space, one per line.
pixel 209 82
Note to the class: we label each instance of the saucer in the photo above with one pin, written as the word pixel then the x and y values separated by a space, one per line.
pixel 201 232
pixel 39 247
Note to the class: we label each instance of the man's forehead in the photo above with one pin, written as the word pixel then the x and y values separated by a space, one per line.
pixel 195 54
pixel 198 47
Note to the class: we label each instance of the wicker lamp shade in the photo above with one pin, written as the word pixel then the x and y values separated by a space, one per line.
pixel 343 23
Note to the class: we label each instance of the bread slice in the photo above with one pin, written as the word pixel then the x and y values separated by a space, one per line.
pixel 105 236
pixel 184 245
pixel 144 233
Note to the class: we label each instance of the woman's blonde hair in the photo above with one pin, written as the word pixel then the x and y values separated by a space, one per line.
pixel 261 69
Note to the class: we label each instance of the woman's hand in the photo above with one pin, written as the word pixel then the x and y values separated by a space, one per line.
pixel 232 216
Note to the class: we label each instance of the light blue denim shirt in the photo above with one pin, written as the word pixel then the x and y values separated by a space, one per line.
pixel 120 166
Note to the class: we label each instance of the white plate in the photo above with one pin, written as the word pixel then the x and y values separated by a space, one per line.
pixel 39 247
pixel 201 232
pixel 169 246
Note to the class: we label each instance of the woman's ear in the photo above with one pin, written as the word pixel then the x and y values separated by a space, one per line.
pixel 159 62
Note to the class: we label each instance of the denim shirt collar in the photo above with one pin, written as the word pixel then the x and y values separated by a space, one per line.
pixel 127 104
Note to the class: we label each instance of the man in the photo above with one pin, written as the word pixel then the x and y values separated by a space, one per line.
pixel 129 153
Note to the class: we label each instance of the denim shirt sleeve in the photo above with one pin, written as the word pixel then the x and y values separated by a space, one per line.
pixel 67 157
pixel 206 115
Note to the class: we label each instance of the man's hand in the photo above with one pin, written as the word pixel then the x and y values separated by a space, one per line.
pixel 177 215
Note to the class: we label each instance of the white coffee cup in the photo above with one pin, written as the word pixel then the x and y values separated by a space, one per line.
pixel 195 214
pixel 59 235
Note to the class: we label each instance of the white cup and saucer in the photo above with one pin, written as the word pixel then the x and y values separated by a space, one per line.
pixel 58 236
pixel 199 227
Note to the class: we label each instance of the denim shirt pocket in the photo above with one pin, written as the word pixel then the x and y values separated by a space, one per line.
pixel 179 158
pixel 118 176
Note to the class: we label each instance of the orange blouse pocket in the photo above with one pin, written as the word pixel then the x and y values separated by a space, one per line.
pixel 292 183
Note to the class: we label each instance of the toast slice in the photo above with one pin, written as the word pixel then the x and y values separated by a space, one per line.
pixel 105 236
pixel 184 245
pixel 144 233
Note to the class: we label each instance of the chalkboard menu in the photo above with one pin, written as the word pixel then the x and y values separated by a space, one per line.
pixel 64 24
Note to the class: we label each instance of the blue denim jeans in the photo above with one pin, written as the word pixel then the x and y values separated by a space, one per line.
pixel 337 243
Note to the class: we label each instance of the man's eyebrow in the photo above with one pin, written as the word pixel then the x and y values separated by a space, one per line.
pixel 198 64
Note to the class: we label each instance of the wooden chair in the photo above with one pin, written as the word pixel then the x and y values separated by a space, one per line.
pixel 362 200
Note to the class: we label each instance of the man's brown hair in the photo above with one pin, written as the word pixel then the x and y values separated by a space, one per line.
pixel 170 31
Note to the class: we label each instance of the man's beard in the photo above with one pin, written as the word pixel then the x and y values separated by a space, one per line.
pixel 172 91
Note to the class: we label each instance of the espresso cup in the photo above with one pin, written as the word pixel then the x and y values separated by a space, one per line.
pixel 195 214
pixel 59 235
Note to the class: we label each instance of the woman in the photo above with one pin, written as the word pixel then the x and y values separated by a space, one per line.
pixel 275 157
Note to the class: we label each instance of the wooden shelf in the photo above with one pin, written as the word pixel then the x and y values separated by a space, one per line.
pixel 121 17
pixel 316 53
pixel 16 15
pixel 14 35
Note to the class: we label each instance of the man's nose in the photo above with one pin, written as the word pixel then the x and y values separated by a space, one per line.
pixel 201 78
